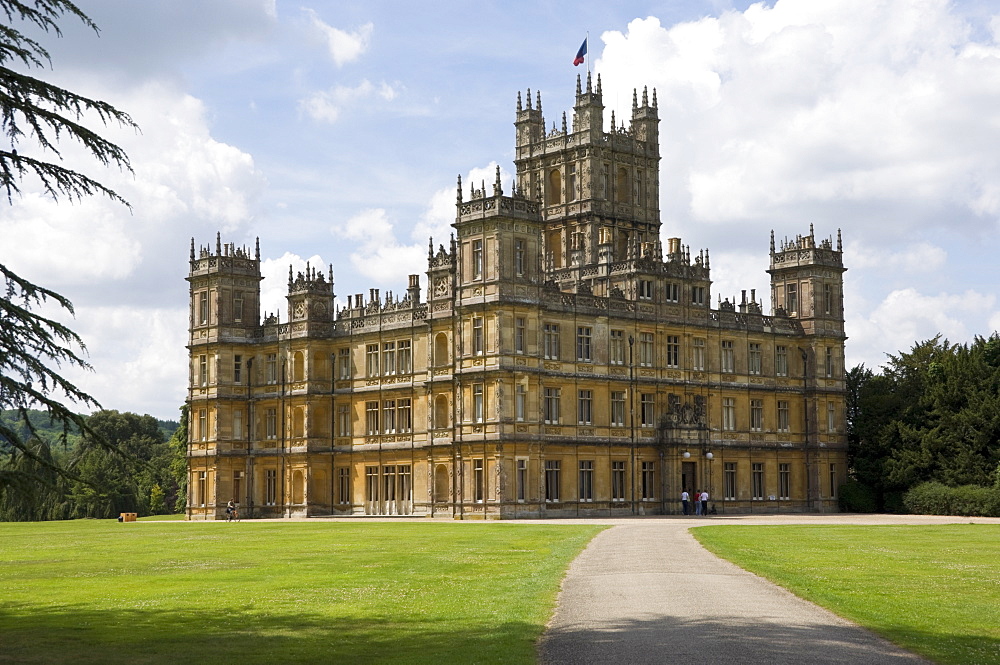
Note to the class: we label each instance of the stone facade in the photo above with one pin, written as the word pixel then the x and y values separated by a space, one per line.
pixel 562 362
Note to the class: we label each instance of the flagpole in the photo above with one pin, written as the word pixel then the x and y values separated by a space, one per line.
pixel 588 53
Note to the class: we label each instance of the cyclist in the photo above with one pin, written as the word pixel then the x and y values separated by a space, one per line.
pixel 232 512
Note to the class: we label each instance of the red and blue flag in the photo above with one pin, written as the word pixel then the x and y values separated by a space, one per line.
pixel 578 60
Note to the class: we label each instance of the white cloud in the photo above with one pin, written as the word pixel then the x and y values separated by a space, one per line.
pixel 326 105
pixel 274 288
pixel 344 46
pixel 916 258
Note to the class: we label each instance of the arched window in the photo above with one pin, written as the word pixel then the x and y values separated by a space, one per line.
pixel 553 194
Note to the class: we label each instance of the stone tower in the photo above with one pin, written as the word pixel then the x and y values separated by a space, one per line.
pixel 807 283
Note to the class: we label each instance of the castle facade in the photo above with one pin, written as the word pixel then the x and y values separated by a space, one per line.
pixel 561 361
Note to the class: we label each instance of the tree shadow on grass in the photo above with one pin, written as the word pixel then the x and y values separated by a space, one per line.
pixel 667 640
pixel 68 634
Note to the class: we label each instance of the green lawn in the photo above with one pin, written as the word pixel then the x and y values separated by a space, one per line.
pixel 255 592
pixel 932 589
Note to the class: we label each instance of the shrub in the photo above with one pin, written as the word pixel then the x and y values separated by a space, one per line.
pixel 933 498
pixel 856 497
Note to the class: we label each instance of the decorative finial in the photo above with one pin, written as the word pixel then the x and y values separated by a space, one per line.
pixel 289 275
pixel 654 98
pixel 564 122
pixel 645 96
pixel 497 187
pixel 635 100
pixel 599 85
pixel 518 101
pixel 218 244
pixel 430 248
pixel 811 232
pixel 538 100
pixel 772 241
pixel 529 99
pixel 192 249
pixel 577 85
pixel 589 88
pixel 840 245
pixel 458 194
pixel 257 248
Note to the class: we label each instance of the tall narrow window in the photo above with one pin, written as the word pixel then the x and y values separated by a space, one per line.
pixel 551 341
pixel 343 485
pixel 551 406
pixel 646 349
pixel 729 481
pixel 671 292
pixel 583 338
pixel 586 482
pixel 520 400
pixel 237 369
pixel 571 182
pixel 648 481
pixel 784 481
pixel 371 417
pixel 203 308
pixel 754 358
pixel 404 415
pixel 728 356
pixel 585 407
pixel 647 410
pixel 552 492
pixel 828 299
pixel 828 362
pixel 238 424
pixel 270 487
pixel 645 289
pixel 698 295
pixel 757 481
pixel 618 408
pixel 519 331
pixel 477 259
pixel 831 417
pixel 617 347
pixel 783 419
pixel 389 416
pixel 522 479
pixel 673 351
pixel 520 251
pixel 728 414
pixel 756 415
pixel 618 480
pixel 404 357
pixel 389 358
pixel 781 360
pixel 477 336
pixel 203 370
pixel 833 481
pixel 371 484
pixel 371 359
pixel 698 354
pixel 477 402
pixel 791 298
pixel 344 364
pixel 478 480
pixel 343 420
pixel 271 423
pixel 238 307
pixel 203 424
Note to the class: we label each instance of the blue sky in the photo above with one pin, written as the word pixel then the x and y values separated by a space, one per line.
pixel 335 131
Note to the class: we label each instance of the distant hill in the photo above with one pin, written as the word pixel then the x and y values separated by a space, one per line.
pixel 52 431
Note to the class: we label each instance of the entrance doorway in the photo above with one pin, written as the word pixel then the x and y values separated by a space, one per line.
pixel 688 476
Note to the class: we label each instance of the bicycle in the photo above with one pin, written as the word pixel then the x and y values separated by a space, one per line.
pixel 234 515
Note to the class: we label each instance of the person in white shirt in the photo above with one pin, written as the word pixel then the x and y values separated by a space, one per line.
pixel 685 502
pixel 704 503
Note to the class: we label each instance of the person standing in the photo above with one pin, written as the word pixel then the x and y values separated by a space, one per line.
pixel 704 502
pixel 697 503
pixel 685 501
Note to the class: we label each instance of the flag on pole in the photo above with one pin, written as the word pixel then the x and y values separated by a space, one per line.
pixel 578 60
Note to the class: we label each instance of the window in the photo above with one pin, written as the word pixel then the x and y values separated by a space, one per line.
pixel 389 358
pixel 371 359
pixel 618 480
pixel 203 424
pixel 478 481
pixel 344 364
pixel 477 336
pixel 648 481
pixel 728 356
pixel 270 487
pixel 833 481
pixel 522 479
pixel 828 363
pixel 673 351
pixel 603 183
pixel 551 340
pixel 343 486
pixel 729 481
pixel 520 400
pixel 238 307
pixel 371 484
pixel 519 253
pixel 371 418
pixel 791 298
pixel 828 298
pixel 728 414
pixel 645 289
pixel 618 408
pixel 404 415
pixel 271 423
pixel 389 416
pixel 203 308
pixel 697 295
pixel 782 415
pixel 551 480
pixel 831 417
pixel 646 349
pixel 784 481
pixel 585 407
pixel 781 360
pixel 756 415
pixel 671 292
pixel 571 182
pixel 757 484
pixel 551 406
pixel 477 259
pixel 343 420
pixel 519 329
pixel 754 358
pixel 237 369
pixel 583 337
pixel 404 357
pixel 389 482
pixel 698 354
pixel 238 424
pixel 586 480
pixel 647 410
pixel 203 370
pixel 477 402
pixel 617 347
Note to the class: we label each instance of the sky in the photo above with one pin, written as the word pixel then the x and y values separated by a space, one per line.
pixel 335 131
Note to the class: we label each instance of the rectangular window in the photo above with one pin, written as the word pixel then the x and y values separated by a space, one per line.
pixel 389 358
pixel 344 364
pixel 203 308
pixel 646 349
pixel 783 419
pixel 238 424
pixel 551 481
pixel 270 487
pixel 729 481
pixel 828 299
pixel 271 423
pixel 571 182
pixel 371 418
pixel 477 336
pixel 477 259
pixel 618 408
pixel 203 424
pixel 519 331
pixel 756 415
pixel 522 479
pixel 754 364
pixel 781 360
pixel 618 480
pixel 371 484
pixel 520 402
pixel 478 481
pixel 672 293
pixel 645 289
pixel 404 415
pixel 728 356
pixel 343 420
pixel 477 403
pixel 698 354
pixel 389 416
pixel 728 414
pixel 203 370
pixel 238 307
pixel 757 484
pixel 617 347
pixel 673 351
pixel 833 481
pixel 551 341
pixel 551 406
pixel 586 480
pixel 831 417
pixel 404 357
pixel 343 486
pixel 237 369
pixel 828 363
pixel 791 298
pixel 585 407
pixel 647 410
pixel 784 481
pixel 648 481
pixel 519 254
pixel 698 295
pixel 371 359
pixel 583 337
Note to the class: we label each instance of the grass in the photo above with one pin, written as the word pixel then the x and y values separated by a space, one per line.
pixel 103 592
pixel 932 589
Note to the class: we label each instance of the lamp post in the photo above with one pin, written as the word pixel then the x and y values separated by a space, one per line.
pixel 631 414
pixel 711 489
